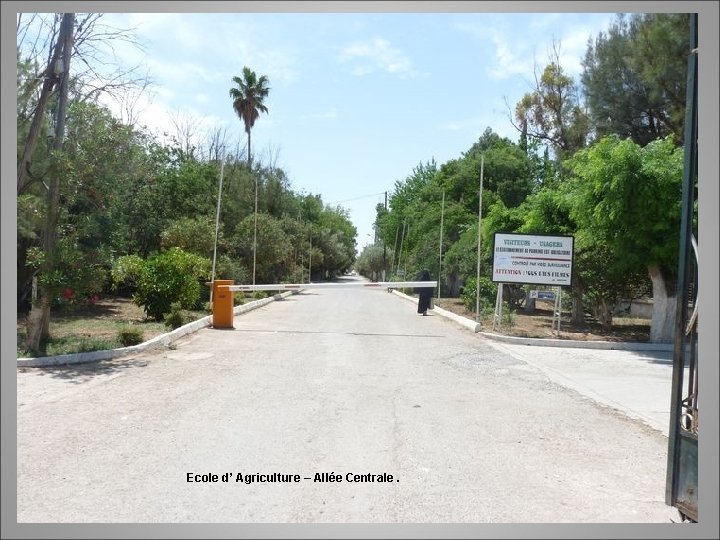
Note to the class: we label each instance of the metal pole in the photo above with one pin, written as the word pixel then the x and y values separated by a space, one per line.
pixel 217 225
pixel 402 239
pixel 397 232
pixel 497 318
pixel 477 276
pixel 442 217
pixel 406 256
pixel 255 231
pixel 385 246
pixel 558 308
pixel 675 465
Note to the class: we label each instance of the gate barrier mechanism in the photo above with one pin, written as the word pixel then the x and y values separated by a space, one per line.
pixel 223 289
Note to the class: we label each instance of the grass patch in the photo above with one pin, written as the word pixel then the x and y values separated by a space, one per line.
pixel 97 327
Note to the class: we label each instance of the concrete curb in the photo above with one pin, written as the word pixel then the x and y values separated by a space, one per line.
pixel 162 340
pixel 464 321
pixel 545 342
pixel 577 344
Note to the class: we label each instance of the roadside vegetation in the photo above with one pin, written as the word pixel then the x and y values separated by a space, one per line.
pixel 132 215
pixel 108 212
pixel 599 159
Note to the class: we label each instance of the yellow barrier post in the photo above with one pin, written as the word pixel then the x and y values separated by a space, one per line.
pixel 223 305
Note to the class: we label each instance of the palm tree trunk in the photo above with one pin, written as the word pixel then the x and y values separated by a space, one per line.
pixel 249 153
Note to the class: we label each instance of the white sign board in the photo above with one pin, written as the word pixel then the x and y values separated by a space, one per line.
pixel 531 258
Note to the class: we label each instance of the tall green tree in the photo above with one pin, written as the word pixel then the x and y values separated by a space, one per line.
pixel 38 320
pixel 627 198
pixel 634 77
pixel 553 112
pixel 371 263
pixel 547 211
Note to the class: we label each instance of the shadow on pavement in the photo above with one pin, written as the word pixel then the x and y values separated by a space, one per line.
pixel 81 373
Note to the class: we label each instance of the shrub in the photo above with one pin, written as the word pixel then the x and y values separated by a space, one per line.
pixel 125 273
pixel 508 316
pixel 238 299
pixel 129 335
pixel 174 319
pixel 259 295
pixel 488 291
pixel 171 276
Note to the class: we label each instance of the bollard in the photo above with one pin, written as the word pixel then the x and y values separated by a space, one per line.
pixel 223 305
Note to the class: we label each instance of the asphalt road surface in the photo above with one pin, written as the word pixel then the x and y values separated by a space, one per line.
pixel 329 384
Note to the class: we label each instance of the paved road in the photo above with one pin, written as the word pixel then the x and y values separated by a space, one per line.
pixel 636 382
pixel 343 381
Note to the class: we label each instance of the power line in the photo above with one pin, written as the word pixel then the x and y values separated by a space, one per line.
pixel 358 198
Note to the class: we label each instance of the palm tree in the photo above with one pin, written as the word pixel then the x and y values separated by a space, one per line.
pixel 248 100
pixel 248 103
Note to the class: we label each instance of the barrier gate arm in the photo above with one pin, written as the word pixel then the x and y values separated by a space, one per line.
pixel 223 301
pixel 298 286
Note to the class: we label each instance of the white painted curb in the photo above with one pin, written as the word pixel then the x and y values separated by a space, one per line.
pixel 546 342
pixel 467 323
pixel 162 340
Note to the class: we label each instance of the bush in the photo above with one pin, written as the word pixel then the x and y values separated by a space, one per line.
pixel 129 335
pixel 259 295
pixel 508 316
pixel 238 299
pixel 125 273
pixel 171 276
pixel 174 319
pixel 488 292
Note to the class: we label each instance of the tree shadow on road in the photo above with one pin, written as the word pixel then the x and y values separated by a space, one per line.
pixel 81 373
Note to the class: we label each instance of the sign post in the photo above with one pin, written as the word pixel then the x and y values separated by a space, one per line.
pixel 533 259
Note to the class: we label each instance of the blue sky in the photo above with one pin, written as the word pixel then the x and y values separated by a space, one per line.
pixel 357 100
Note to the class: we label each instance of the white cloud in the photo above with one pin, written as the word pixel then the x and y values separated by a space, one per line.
pixel 327 115
pixel 204 42
pixel 521 53
pixel 377 53
pixel 511 59
pixel 572 49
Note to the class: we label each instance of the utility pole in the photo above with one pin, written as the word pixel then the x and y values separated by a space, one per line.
pixel 217 225
pixel 397 232
pixel 402 239
pixel 442 217
pixel 299 248
pixel 477 277
pixel 256 212
pixel 310 261
pixel 385 247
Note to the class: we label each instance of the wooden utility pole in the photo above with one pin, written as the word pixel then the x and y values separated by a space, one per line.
pixel 38 322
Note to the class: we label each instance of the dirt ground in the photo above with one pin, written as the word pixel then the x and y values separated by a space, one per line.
pixel 538 324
